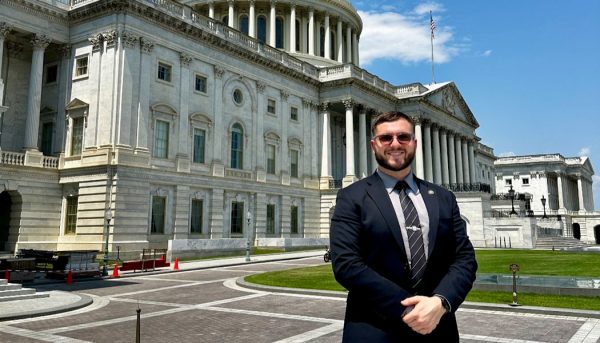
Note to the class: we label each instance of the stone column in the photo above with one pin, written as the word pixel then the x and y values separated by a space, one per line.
pixel 261 174
pixel 459 159
pixel 350 175
pixel 293 28
pixel 451 158
pixel 444 147
pixel 465 159
pixel 183 155
pixel 314 133
pixel 143 116
pixel 4 30
pixel 285 151
pixel 218 167
pixel 327 38
pixel 65 69
pixel 272 16
pixel 252 19
pixel 211 10
pixel 34 95
pixel 128 57
pixel 348 44
pixel 325 144
pixel 340 41
pixel 362 141
pixel 561 199
pixel 231 14
pixel 311 31
pixel 437 158
pixel 472 174
pixel 419 153
pixel 427 152
pixel 354 49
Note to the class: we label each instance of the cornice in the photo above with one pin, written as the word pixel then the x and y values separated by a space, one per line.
pixel 39 9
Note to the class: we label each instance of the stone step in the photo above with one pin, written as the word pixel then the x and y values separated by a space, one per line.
pixel 24 297
pixel 9 287
pixel 3 281
pixel 13 292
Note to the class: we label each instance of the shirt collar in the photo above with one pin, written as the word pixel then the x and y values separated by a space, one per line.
pixel 389 182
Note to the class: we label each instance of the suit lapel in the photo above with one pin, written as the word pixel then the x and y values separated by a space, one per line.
pixel 433 211
pixel 376 190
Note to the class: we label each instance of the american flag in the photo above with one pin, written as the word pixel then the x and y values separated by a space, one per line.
pixel 432 25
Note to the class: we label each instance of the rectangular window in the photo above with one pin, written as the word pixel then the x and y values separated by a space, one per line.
pixel 164 72
pixel 294 113
pixel 508 182
pixel 294 157
pixel 47 131
pixel 237 218
pixel 525 181
pixel 199 144
pixel 77 136
pixel 71 215
pixel 196 220
pixel 270 219
pixel 270 159
pixel 51 74
pixel 158 214
pixel 81 66
pixel 271 104
pixel 200 85
pixel 294 220
pixel 161 139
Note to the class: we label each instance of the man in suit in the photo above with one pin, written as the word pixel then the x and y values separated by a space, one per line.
pixel 400 247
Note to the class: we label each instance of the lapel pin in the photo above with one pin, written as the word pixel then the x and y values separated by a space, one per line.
pixel 430 192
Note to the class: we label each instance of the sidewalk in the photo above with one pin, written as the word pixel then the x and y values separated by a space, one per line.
pixel 59 301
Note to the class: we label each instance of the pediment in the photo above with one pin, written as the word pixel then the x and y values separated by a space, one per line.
pixel 164 108
pixel 272 136
pixel 200 117
pixel 76 104
pixel 449 99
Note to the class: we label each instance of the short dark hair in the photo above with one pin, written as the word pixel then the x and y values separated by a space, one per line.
pixel 391 116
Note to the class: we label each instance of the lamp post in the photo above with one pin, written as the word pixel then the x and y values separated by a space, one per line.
pixel 248 235
pixel 544 205
pixel 511 195
pixel 108 217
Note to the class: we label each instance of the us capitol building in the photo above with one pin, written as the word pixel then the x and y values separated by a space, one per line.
pixel 200 125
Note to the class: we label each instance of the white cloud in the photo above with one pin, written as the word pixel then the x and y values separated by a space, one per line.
pixel 596 190
pixel 427 7
pixel 487 53
pixel 585 151
pixel 507 154
pixel 404 38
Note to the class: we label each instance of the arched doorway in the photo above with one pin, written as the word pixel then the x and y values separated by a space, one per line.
pixel 597 233
pixel 576 231
pixel 5 206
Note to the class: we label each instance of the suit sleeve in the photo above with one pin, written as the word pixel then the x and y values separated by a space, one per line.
pixel 349 267
pixel 458 281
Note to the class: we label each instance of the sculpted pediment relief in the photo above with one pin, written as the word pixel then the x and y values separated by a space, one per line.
pixel 449 99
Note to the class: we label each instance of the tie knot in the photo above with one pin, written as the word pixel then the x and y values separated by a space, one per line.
pixel 401 185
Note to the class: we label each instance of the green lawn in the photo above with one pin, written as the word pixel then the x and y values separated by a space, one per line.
pixel 490 261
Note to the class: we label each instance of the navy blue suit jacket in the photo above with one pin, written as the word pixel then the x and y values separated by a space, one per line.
pixel 369 260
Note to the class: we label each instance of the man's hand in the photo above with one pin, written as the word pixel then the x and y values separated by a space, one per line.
pixel 426 314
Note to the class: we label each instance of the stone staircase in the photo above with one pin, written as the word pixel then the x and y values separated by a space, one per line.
pixel 15 291
pixel 559 243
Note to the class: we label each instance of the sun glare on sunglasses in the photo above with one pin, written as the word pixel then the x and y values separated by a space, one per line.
pixel 402 138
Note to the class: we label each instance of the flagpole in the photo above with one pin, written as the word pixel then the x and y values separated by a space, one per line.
pixel 432 27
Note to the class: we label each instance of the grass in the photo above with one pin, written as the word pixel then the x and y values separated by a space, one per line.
pixel 532 262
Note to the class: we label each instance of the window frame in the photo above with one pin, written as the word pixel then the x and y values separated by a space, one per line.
pixel 271 210
pixel 197 218
pixel 46 73
pixel 202 159
pixel 70 216
pixel 271 162
pixel 294 220
pixel 155 218
pixel 236 151
pixel 154 138
pixel 294 117
pixel 200 76
pixel 274 107
pixel 76 67
pixel 294 172
pixel 168 66
pixel 237 212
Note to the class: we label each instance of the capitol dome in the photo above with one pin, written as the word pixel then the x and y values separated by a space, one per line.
pixel 324 33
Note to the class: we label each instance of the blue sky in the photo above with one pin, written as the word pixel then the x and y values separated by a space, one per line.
pixel 529 70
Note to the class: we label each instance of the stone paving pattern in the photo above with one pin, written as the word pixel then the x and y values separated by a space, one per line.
pixel 207 305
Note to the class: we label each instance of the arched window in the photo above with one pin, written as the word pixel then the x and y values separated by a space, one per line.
pixel 279 33
pixel 244 24
pixel 261 29
pixel 237 146
pixel 322 42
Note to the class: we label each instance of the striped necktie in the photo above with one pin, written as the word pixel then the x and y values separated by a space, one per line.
pixel 415 236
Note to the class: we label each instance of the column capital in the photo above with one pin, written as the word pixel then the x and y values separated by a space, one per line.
pixel 260 86
pixel 110 37
pixel 435 126
pixel 4 30
pixel 40 41
pixel 146 45
pixel 129 40
pixel 185 59
pixel 219 72
pixel 96 41
pixel 65 50
pixel 324 106
pixel 230 2
pixel 348 103
pixel 306 102
pixel 284 95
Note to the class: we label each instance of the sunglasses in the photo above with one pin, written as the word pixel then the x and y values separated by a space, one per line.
pixel 402 138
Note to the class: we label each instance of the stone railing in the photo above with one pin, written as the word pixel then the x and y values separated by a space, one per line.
pixel 468 187
pixel 12 158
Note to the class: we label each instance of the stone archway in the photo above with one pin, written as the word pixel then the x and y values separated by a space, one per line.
pixel 576 231
pixel 5 208
pixel 597 233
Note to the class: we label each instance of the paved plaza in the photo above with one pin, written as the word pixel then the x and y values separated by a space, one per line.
pixel 208 302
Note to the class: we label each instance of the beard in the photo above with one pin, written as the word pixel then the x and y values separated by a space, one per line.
pixel 384 161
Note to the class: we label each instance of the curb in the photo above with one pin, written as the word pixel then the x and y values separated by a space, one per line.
pixel 84 301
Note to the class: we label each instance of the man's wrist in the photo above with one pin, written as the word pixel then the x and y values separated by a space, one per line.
pixel 445 303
